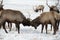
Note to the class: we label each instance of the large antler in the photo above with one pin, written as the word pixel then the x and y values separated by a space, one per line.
pixel 57 3
pixel 47 3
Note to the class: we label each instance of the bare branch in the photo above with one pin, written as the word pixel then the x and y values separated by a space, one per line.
pixel 57 3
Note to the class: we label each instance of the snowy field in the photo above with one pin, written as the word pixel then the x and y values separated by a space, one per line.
pixel 28 32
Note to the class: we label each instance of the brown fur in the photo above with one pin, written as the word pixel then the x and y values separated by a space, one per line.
pixel 54 8
pixel 2 21
pixel 14 16
pixel 46 18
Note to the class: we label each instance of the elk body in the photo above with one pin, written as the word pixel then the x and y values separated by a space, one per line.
pixel 14 16
pixel 44 19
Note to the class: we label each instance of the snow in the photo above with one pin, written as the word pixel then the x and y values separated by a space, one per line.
pixel 27 32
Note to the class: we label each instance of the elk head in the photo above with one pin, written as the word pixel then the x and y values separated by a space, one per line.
pixel 26 22
pixel 35 23
pixel 53 8
pixel 39 7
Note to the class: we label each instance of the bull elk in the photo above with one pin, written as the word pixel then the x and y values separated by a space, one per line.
pixel 39 7
pixel 14 16
pixel 44 19
pixel 53 8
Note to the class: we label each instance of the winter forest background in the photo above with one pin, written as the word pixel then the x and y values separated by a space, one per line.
pixel 28 33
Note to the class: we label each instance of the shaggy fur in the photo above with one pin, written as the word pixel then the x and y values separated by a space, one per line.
pixel 14 16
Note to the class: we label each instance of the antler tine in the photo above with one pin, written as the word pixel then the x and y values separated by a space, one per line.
pixel 47 4
pixel 57 3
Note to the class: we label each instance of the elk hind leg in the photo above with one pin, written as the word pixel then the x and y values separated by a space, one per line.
pixel 42 28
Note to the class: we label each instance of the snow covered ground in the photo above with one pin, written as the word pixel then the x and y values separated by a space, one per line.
pixel 27 32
